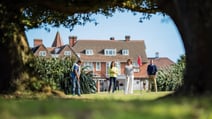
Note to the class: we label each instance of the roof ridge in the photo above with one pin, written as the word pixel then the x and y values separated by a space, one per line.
pixel 107 40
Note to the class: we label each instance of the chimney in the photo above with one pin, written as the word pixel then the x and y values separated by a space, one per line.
pixel 112 38
pixel 72 40
pixel 157 55
pixel 127 38
pixel 38 42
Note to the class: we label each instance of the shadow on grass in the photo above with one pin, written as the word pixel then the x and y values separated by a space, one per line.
pixel 107 106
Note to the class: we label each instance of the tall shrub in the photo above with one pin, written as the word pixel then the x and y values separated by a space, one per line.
pixel 171 78
pixel 55 73
pixel 49 72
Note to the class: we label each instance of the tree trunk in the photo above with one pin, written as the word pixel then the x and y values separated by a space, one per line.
pixel 15 53
pixel 194 22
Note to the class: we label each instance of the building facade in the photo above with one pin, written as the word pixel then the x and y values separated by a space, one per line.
pixel 97 56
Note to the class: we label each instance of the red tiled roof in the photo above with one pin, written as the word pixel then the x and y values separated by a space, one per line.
pixel 162 62
pixel 136 48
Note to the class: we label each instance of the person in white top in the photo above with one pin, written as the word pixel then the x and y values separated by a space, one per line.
pixel 129 73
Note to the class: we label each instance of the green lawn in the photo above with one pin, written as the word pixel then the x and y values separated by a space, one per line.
pixel 140 105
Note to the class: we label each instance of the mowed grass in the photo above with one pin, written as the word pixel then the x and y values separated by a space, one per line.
pixel 119 95
pixel 140 105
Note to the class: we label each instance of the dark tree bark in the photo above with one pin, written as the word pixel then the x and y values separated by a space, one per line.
pixel 14 54
pixel 194 22
pixel 14 51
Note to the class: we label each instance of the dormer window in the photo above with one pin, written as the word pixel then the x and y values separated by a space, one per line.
pixel 125 52
pixel 89 52
pixel 110 52
pixel 67 53
pixel 42 53
pixel 56 50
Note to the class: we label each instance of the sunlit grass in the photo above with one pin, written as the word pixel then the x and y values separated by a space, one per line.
pixel 119 95
pixel 140 105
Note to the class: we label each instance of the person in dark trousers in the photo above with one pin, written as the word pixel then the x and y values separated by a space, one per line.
pixel 76 70
pixel 113 71
pixel 152 71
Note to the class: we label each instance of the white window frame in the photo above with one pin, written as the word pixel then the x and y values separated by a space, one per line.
pixel 136 69
pixel 107 69
pixel 89 65
pixel 118 65
pixel 110 52
pixel 125 52
pixel 98 66
pixel 42 53
pixel 89 52
pixel 67 53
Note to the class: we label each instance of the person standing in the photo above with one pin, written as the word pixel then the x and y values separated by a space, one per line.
pixel 113 72
pixel 76 70
pixel 152 71
pixel 129 73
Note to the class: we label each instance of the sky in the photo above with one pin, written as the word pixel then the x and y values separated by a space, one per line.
pixel 160 34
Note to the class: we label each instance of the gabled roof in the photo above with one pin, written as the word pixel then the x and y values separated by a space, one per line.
pixel 57 41
pixel 57 50
pixel 60 50
pixel 39 48
pixel 136 48
pixel 36 48
pixel 162 62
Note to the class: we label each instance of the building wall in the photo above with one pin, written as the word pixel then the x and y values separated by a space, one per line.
pixel 61 55
pixel 138 83
pixel 42 49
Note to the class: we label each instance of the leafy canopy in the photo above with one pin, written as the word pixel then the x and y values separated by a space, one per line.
pixel 68 13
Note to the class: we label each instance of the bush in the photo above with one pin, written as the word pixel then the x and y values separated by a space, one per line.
pixel 54 73
pixel 171 78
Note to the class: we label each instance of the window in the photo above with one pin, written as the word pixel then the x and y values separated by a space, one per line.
pixel 107 69
pixel 67 53
pixel 89 52
pixel 56 50
pixel 88 65
pixel 136 69
pixel 42 53
pixel 118 65
pixel 98 66
pixel 125 52
pixel 110 52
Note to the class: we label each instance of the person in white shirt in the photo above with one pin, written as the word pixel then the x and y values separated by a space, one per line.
pixel 129 73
